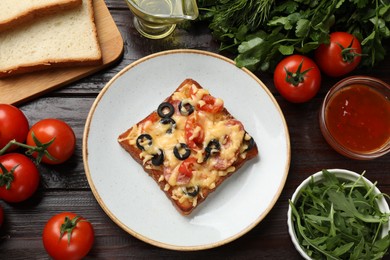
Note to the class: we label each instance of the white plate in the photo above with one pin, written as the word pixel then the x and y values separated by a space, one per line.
pixel 134 201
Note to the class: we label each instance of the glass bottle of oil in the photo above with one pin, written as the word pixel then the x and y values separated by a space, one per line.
pixel 157 18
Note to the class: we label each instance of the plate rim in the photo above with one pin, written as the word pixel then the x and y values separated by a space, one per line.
pixel 141 237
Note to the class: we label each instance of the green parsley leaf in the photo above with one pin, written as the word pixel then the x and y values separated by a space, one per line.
pixel 301 26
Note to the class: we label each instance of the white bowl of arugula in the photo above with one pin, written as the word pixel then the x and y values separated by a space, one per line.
pixel 339 214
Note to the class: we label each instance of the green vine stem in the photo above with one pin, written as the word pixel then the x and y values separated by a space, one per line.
pixel 40 148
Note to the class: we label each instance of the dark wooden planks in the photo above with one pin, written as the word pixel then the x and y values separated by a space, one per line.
pixel 65 187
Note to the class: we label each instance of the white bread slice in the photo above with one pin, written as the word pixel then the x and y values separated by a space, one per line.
pixel 68 38
pixel 14 12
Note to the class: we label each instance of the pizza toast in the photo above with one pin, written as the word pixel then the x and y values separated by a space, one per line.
pixel 189 145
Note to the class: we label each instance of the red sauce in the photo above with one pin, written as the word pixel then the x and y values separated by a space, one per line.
pixel 358 118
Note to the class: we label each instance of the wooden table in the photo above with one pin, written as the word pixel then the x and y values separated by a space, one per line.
pixel 65 187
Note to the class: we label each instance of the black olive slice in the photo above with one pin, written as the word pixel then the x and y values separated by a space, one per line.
pixel 170 121
pixel 191 191
pixel 181 151
pixel 212 147
pixel 143 140
pixel 158 158
pixel 165 109
pixel 185 108
pixel 251 142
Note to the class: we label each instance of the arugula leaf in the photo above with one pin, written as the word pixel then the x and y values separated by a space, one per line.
pixel 347 205
pixel 339 219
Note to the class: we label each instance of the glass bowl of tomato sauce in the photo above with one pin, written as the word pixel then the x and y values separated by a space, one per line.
pixel 355 117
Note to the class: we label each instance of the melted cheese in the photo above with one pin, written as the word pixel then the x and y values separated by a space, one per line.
pixel 215 126
pixel 204 178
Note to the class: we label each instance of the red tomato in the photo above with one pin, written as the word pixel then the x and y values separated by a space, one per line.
pixel 186 167
pixel 194 133
pixel 13 125
pixel 64 142
pixel 67 236
pixel 19 178
pixel 297 78
pixel 211 104
pixel 341 56
pixel 208 103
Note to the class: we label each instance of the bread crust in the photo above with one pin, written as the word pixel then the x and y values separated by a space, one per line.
pixel 49 63
pixel 186 207
pixel 37 11
pixel 23 69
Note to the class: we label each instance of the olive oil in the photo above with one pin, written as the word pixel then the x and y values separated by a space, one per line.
pixel 157 18
pixel 156 7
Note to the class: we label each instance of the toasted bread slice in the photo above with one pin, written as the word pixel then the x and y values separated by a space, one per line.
pixel 63 39
pixel 14 12
pixel 189 145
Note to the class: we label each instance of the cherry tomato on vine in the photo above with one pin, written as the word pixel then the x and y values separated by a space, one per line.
pixel 297 78
pixel 341 56
pixel 19 177
pixel 62 137
pixel 68 236
pixel 13 125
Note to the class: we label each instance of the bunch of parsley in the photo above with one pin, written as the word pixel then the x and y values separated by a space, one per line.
pixel 260 32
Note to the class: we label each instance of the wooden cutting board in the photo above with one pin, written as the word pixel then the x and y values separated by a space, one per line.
pixel 19 89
